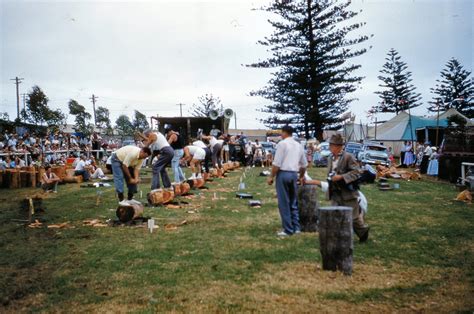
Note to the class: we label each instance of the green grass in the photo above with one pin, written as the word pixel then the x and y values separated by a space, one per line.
pixel 227 258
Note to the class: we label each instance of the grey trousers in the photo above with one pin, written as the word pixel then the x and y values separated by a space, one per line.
pixel 216 155
pixel 286 185
pixel 159 168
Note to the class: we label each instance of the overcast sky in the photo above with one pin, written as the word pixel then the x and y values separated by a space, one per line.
pixel 151 55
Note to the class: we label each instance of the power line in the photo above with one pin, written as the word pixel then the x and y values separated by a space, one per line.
pixel 24 96
pixel 18 81
pixel 180 108
pixel 93 98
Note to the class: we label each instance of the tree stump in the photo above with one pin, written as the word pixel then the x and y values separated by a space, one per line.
pixel 308 207
pixel 126 213
pixel 335 238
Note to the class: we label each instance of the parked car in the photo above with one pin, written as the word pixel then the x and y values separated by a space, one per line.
pixel 320 156
pixel 374 154
pixel 128 142
pixel 268 147
pixel 353 148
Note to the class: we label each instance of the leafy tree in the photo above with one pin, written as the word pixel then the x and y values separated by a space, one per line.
pixel 140 122
pixel 37 110
pixel 4 116
pixel 455 89
pixel 398 93
pixel 206 104
pixel 82 117
pixel 124 126
pixel 102 117
pixel 311 53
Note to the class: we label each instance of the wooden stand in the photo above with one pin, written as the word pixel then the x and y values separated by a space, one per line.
pixel 308 207
pixel 335 238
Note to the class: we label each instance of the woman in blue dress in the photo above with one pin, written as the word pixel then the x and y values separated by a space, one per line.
pixel 433 164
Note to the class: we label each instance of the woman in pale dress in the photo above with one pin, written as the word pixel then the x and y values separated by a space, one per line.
pixel 409 159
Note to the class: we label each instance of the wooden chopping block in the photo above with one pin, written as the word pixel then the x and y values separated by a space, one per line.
pixel 126 213
pixel 160 196
pixel 23 178
pixel 214 173
pixel 177 189
pixel 70 172
pixel 60 171
pixel 14 179
pixel 73 179
pixel 185 188
pixel 39 174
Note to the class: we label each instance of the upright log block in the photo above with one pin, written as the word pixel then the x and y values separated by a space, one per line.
pixel 14 179
pixel 335 238
pixel 308 207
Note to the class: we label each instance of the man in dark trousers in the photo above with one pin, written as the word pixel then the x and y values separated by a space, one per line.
pixel 158 144
pixel 343 171
pixel 289 161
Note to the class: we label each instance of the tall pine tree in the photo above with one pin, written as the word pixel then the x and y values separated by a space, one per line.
pixel 311 52
pixel 398 93
pixel 455 89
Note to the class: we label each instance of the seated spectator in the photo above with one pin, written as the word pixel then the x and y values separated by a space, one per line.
pixel 19 163
pixel 49 181
pixel 81 169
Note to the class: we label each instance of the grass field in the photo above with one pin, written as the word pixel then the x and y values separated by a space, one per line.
pixel 420 255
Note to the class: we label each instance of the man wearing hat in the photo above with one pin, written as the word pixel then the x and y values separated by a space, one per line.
pixel 289 161
pixel 343 170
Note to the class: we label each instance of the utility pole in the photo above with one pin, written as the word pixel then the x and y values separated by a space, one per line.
pixel 235 120
pixel 17 83
pixel 24 100
pixel 181 108
pixel 93 98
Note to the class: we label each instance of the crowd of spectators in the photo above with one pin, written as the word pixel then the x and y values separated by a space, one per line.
pixel 19 150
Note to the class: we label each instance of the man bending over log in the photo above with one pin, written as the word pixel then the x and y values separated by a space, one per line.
pixel 343 171
pixel 158 144
pixel 195 155
pixel 126 164
pixel 216 149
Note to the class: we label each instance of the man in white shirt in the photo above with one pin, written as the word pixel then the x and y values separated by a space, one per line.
pixel 126 164
pixel 288 162
pixel 81 170
pixel 158 144
pixel 216 149
pixel 194 155
pixel 208 158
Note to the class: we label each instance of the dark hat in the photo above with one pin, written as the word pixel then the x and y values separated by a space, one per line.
pixel 336 139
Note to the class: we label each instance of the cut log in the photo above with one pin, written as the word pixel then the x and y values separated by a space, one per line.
pixel 126 213
pixel 60 171
pixel 177 189
pixel 15 181
pixel 185 188
pixel 308 207
pixel 335 238
pixel 23 178
pixel 160 196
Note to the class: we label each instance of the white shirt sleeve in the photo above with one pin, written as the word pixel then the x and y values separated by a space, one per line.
pixel 279 155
